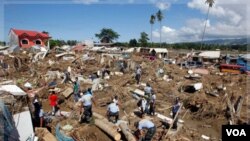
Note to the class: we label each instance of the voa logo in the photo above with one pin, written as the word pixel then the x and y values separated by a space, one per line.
pixel 236 132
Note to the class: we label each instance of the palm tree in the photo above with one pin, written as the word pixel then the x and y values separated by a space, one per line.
pixel 210 4
pixel 159 16
pixel 152 21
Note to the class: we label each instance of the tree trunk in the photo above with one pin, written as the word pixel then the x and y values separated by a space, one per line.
pixel 151 35
pixel 126 131
pixel 108 129
pixel 160 33
pixel 204 28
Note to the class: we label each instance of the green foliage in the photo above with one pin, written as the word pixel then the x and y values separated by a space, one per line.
pixel 71 42
pixel 133 43
pixel 108 33
pixel 152 19
pixel 210 3
pixel 144 39
pixel 59 43
pixel 122 44
pixel 159 16
pixel 2 43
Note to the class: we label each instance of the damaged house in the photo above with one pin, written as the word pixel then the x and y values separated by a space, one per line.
pixel 25 39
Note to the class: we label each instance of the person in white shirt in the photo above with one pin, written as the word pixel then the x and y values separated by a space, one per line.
pixel 138 73
pixel 143 107
pixel 149 126
pixel 113 111
pixel 87 100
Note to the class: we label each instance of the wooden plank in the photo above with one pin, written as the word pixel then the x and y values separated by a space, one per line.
pixel 139 92
pixel 67 92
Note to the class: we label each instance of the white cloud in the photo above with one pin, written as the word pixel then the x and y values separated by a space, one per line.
pixel 227 19
pixel 225 10
pixel 162 5
pixel 166 29
pixel 86 1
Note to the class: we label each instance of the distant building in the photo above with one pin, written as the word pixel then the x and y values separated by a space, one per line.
pixel 27 38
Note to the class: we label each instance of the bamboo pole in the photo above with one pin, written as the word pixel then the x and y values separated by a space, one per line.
pixel 171 125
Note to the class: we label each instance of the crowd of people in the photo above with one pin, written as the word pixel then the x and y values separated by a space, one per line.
pixel 146 104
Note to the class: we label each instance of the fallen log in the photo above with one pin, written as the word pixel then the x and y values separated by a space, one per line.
pixel 104 119
pixel 126 131
pixel 99 116
pixel 108 129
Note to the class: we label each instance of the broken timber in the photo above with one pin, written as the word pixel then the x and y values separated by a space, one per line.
pixel 126 131
pixel 108 129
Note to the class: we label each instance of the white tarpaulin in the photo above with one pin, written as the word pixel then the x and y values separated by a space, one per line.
pixel 24 126
pixel 210 54
pixel 13 89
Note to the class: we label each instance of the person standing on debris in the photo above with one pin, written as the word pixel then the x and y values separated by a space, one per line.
pixel 38 113
pixel 122 67
pixel 148 89
pixel 76 91
pixel 104 71
pixel 87 100
pixel 149 126
pixel 78 82
pixel 143 107
pixel 67 77
pixel 152 104
pixel 138 73
pixel 53 101
pixel 175 109
pixel 113 111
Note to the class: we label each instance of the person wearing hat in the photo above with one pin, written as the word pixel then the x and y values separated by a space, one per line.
pixel 87 100
pixel 149 126
pixel 175 109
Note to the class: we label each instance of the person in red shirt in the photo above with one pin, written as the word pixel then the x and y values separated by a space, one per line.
pixel 53 101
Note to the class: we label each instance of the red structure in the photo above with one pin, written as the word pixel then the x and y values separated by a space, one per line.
pixel 27 38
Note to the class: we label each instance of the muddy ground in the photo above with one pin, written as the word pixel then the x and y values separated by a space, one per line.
pixel 202 114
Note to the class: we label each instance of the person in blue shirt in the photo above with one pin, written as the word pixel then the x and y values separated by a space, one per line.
pixel 113 111
pixel 175 109
pixel 149 126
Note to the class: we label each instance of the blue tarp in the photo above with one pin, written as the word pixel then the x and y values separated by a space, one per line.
pixel 6 121
pixel 60 136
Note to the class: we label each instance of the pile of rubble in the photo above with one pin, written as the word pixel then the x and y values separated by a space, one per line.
pixel 210 98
